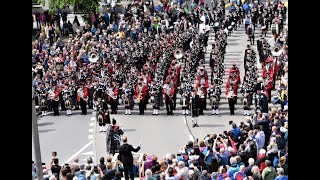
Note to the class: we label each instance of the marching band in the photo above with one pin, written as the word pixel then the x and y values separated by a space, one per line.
pixel 155 67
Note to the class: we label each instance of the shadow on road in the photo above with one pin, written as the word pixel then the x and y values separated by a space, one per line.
pixel 129 130
pixel 233 44
pixel 211 125
pixel 46 130
pixel 45 124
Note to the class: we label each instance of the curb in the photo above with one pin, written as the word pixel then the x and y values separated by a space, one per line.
pixel 94 140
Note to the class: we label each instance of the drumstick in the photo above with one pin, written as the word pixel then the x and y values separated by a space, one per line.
pixel 140 141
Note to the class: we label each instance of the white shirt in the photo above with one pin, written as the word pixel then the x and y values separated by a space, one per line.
pixel 201 27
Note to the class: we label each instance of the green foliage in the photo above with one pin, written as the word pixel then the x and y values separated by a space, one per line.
pixel 86 6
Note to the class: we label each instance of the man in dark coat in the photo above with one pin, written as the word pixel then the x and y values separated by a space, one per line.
pixel 260 100
pixel 125 156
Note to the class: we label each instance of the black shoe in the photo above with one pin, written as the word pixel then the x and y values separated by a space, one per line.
pixel 193 125
pixel 197 125
pixel 81 113
pixel 130 114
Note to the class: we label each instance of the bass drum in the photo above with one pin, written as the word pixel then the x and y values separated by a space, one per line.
pixel 68 104
pixel 43 103
pixel 151 99
pixel 275 29
pixel 100 118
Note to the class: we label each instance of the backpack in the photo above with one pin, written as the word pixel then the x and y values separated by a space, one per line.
pixel 250 30
pixel 82 177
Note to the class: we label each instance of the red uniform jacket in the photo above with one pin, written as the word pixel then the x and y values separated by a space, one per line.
pixel 235 87
pixel 144 92
pixel 264 72
pixel 232 70
pixel 269 86
pixel 56 93
pixel 149 78
pixel 110 68
pixel 276 67
pixel 85 94
pixel 177 70
pixel 168 79
pixel 172 92
pixel 205 86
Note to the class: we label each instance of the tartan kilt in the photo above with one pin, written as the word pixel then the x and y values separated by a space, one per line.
pixel 115 144
pixel 112 143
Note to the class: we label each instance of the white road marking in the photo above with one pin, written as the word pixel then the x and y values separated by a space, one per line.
pixel 85 160
pixel 90 136
pixel 87 153
pixel 91 124
pixel 191 138
pixel 78 152
pixel 185 120
pixel 93 118
pixel 93 113
pixel 90 130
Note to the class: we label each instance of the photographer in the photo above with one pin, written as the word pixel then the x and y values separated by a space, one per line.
pixel 209 139
pixel 221 150
pixel 95 173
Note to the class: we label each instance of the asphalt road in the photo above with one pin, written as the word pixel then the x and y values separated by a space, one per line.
pixel 66 135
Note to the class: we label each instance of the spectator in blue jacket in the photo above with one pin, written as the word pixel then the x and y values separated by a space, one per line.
pixel 233 167
pixel 235 131
pixel 246 8
pixel 281 175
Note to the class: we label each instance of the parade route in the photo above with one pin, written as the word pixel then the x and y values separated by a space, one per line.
pixel 167 134
pixel 66 135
